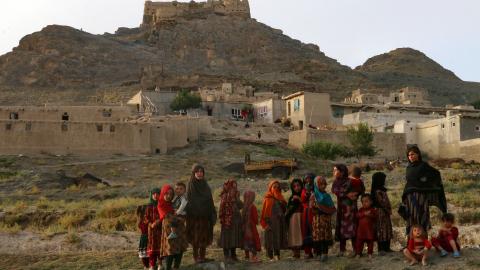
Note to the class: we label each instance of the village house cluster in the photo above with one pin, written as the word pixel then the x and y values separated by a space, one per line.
pixel 147 124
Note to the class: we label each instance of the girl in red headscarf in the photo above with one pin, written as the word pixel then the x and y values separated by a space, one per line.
pixel 251 239
pixel 273 221
pixel 231 235
pixel 171 248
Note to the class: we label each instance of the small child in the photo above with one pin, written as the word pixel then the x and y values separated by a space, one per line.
pixel 293 217
pixel 447 239
pixel 251 238
pixel 418 246
pixel 384 208
pixel 170 249
pixel 179 205
pixel 356 182
pixel 143 226
pixel 366 216
pixel 323 208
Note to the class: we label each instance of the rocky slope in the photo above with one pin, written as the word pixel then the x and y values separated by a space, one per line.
pixel 207 51
pixel 409 67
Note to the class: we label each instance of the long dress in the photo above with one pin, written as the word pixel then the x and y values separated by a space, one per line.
pixel 384 222
pixel 232 236
pixel 177 245
pixel 154 234
pixel 307 218
pixel 276 237
pixel 251 238
pixel 321 224
pixel 345 227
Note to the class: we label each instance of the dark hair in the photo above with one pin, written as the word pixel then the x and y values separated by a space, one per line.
pixel 298 181
pixel 181 184
pixel 448 217
pixel 416 150
pixel 343 169
pixel 140 213
pixel 378 183
pixel 366 195
pixel 356 171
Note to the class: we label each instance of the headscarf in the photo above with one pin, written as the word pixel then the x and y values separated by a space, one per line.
pixel 228 199
pixel 423 178
pixel 378 183
pixel 322 198
pixel 293 205
pixel 271 196
pixel 199 197
pixel 164 207
pixel 248 200
pixel 308 181
pixel 152 191
pixel 341 185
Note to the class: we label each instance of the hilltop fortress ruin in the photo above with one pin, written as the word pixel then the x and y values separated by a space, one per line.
pixel 157 12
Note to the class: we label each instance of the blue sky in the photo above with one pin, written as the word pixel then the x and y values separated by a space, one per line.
pixel 350 31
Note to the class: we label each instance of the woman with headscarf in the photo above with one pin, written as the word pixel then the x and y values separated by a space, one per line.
pixel 154 229
pixel 273 220
pixel 423 189
pixel 323 209
pixel 171 248
pixel 293 217
pixel 251 239
pixel 231 235
pixel 201 213
pixel 384 209
pixel 345 227
pixel 307 214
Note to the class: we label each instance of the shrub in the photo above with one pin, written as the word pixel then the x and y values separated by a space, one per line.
pixel 185 100
pixel 325 150
pixel 361 139
pixel 72 220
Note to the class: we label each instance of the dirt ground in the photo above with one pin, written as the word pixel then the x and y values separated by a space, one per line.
pixel 27 182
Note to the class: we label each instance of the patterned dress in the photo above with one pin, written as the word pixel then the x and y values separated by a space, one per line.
pixel 154 234
pixel 177 245
pixel 232 237
pixel 384 223
pixel 346 210
pixel 321 224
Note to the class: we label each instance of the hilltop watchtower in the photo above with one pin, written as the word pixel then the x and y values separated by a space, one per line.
pixel 156 12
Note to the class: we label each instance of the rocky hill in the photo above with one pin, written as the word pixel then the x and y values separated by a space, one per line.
pixel 206 51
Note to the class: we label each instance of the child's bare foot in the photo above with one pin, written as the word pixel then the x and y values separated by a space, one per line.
pixel 413 262
pixel 424 262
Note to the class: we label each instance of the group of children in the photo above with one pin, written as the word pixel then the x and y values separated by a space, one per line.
pixel 162 226
pixel 303 222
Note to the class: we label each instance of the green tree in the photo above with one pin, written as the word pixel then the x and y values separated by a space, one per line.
pixel 361 139
pixel 185 100
pixel 325 150
pixel 476 104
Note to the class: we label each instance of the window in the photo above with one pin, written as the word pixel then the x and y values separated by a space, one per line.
pixel 443 125
pixel 236 113
pixel 99 127
pixel 296 105
pixel 13 116
pixel 262 112
pixel 28 126
pixel 453 124
pixel 112 128
pixel 8 126
pixel 289 109
pixel 107 113
pixel 477 128
pixel 65 116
